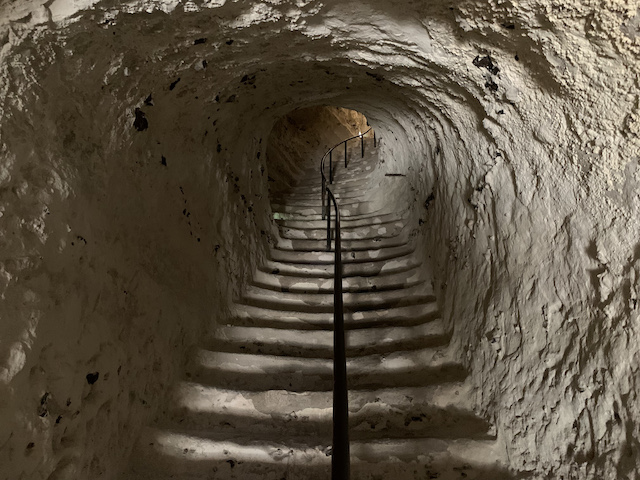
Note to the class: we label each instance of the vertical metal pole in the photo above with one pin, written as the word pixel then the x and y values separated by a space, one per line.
pixel 340 458
pixel 330 167
pixel 345 154
pixel 362 144
pixel 328 222
pixel 324 187
pixel 374 139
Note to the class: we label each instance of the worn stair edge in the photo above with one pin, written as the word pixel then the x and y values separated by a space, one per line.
pixel 249 403
pixel 356 209
pixel 319 343
pixel 314 216
pixel 347 222
pixel 288 283
pixel 247 315
pixel 307 245
pixel 259 372
pixel 357 234
pixel 354 256
pixel 178 453
pixel 374 223
pixel 357 181
pixel 311 245
pixel 363 269
pixel 416 421
pixel 441 411
pixel 323 302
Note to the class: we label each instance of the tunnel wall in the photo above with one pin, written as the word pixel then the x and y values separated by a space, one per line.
pixel 516 127
pixel 123 240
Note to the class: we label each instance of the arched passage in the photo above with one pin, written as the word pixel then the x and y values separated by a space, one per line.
pixel 515 125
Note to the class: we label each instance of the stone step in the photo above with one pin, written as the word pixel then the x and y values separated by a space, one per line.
pixel 362 269
pixel 347 189
pixel 342 183
pixel 356 165
pixel 321 225
pixel 285 283
pixel 323 302
pixel 248 315
pixel 348 183
pixel 353 172
pixel 310 216
pixel 198 397
pixel 384 230
pixel 319 343
pixel 341 177
pixel 315 185
pixel 353 209
pixel 316 201
pixel 284 198
pixel 244 371
pixel 348 257
pixel 438 411
pixel 347 222
pixel 310 245
pixel 161 455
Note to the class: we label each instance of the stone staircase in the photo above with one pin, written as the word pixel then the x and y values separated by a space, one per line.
pixel 256 402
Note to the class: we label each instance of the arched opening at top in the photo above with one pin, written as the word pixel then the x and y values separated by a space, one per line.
pixel 298 141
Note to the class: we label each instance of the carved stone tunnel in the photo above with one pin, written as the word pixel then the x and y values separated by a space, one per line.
pixel 144 147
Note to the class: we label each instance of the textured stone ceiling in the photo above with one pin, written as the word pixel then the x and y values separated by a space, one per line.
pixel 519 122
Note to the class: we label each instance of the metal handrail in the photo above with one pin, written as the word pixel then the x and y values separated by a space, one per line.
pixel 340 458
pixel 329 153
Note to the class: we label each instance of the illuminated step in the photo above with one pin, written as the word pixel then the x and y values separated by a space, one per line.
pixel 341 175
pixel 247 315
pixel 362 269
pixel 310 216
pixel 323 302
pixel 437 411
pixel 365 188
pixel 355 181
pixel 319 343
pixel 352 256
pixel 356 166
pixel 387 223
pixel 353 209
pixel 311 245
pixel 164 454
pixel 287 283
pixel 315 200
pixel 285 198
pixel 298 374
pixel 385 230
pixel 348 222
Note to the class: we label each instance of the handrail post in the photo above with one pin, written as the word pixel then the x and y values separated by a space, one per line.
pixel 324 187
pixel 328 222
pixel 362 144
pixel 340 458
pixel 345 154
pixel 330 167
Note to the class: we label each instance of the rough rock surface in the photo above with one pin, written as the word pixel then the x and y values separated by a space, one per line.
pixel 131 199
